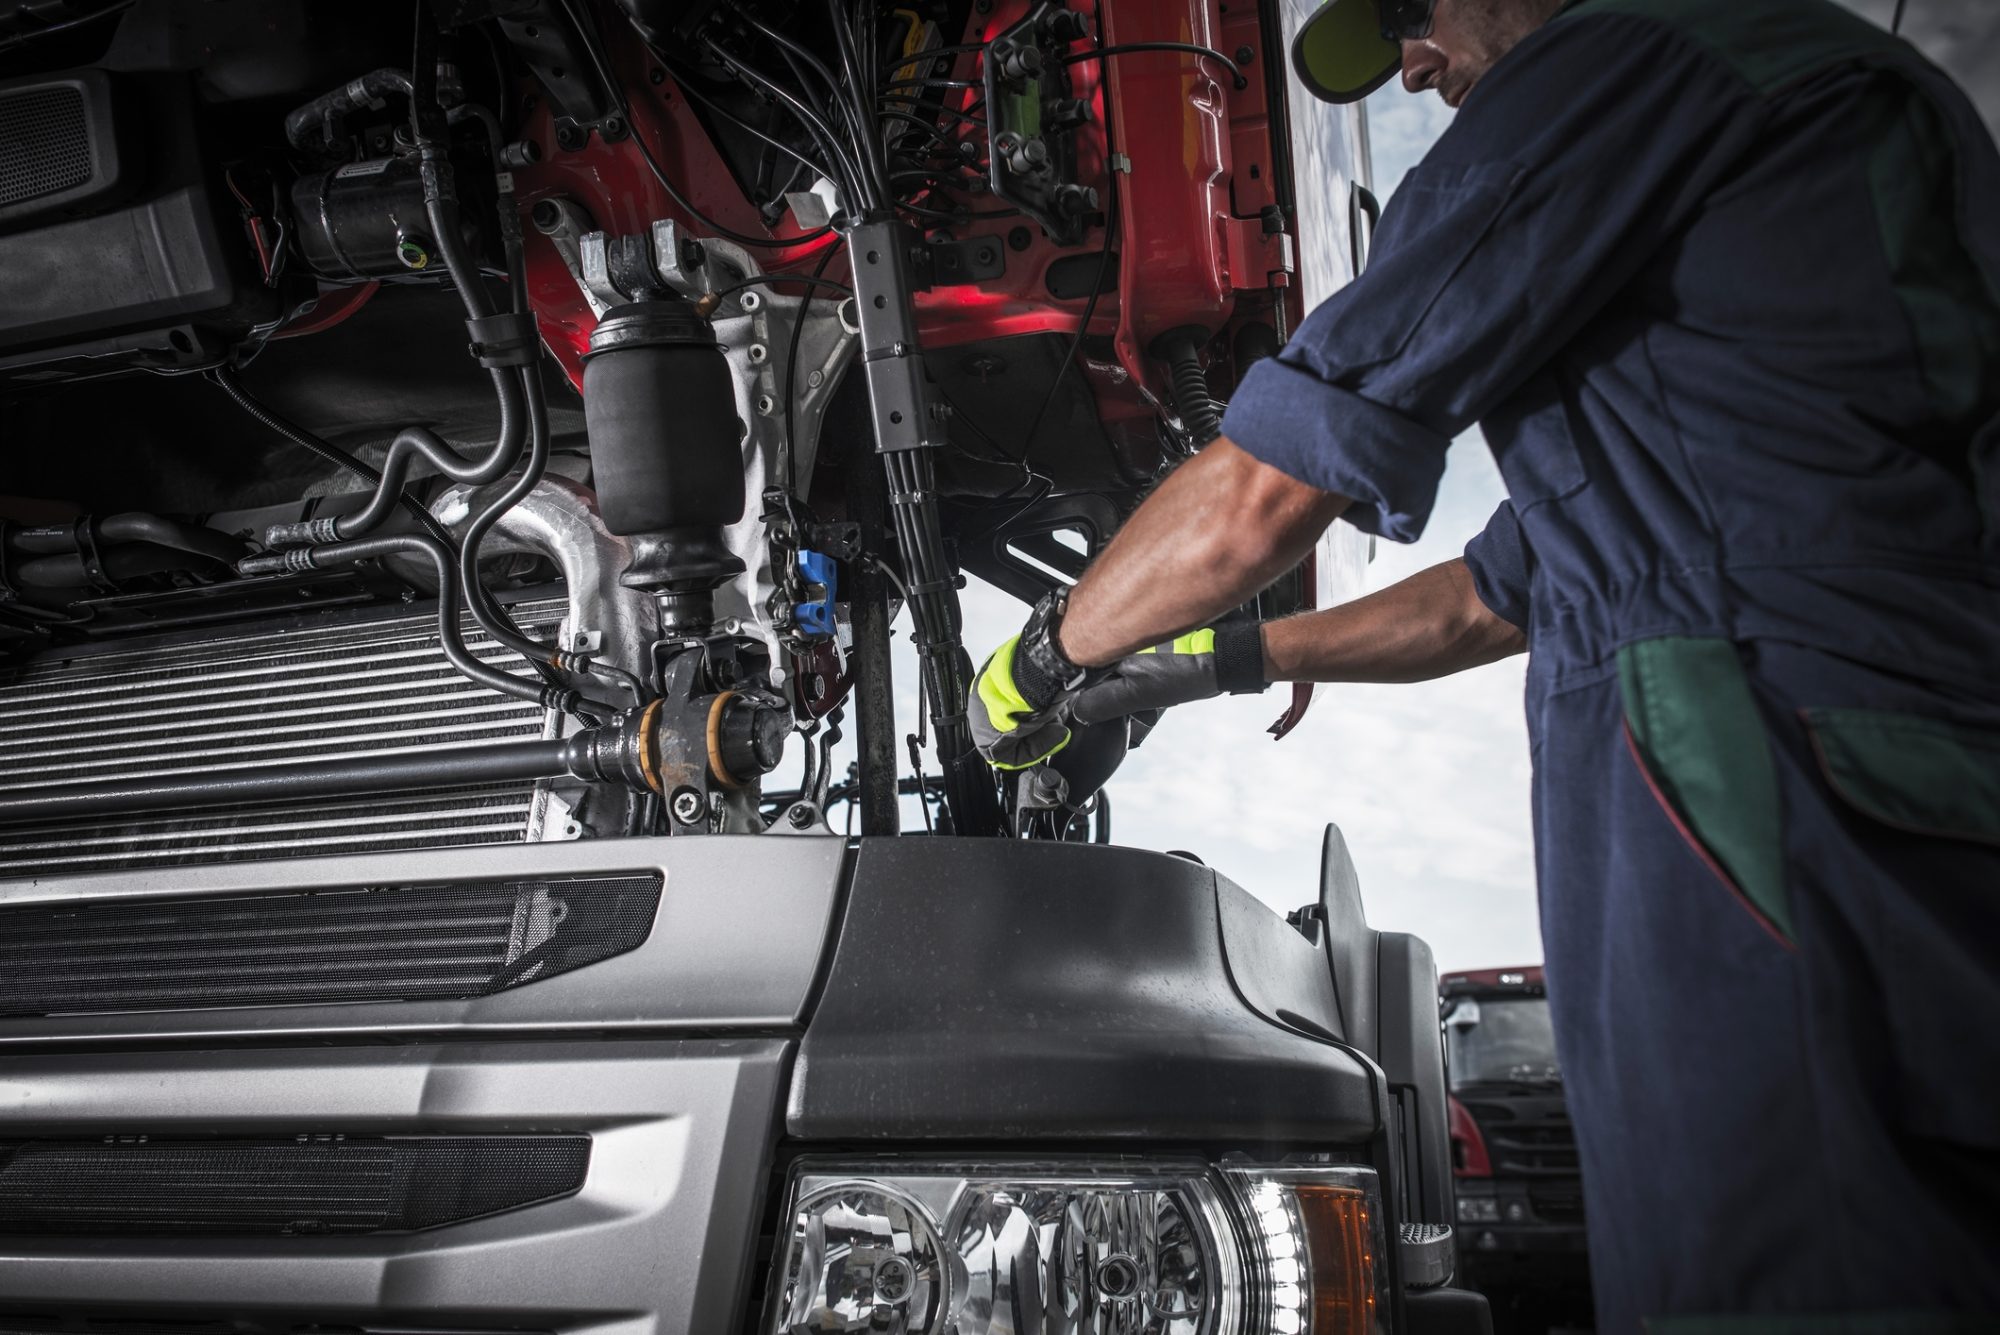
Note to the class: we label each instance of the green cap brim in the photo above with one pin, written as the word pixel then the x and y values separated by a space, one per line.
pixel 1341 55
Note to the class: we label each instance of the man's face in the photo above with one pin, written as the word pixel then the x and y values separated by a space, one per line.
pixel 1467 38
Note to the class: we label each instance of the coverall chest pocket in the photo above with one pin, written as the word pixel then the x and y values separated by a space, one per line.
pixel 1437 219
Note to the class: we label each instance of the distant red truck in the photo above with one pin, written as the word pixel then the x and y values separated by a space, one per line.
pixel 1520 1190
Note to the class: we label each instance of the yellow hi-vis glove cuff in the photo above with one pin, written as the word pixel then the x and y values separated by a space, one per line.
pixel 1199 665
pixel 1008 730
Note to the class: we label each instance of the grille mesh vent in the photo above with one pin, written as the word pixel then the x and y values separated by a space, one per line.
pixel 44 143
pixel 402 943
pixel 315 1185
pixel 372 687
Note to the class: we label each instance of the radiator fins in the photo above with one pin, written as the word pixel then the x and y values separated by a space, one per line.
pixel 394 943
pixel 269 694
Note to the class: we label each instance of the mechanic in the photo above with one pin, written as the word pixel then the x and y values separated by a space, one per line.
pixel 1720 279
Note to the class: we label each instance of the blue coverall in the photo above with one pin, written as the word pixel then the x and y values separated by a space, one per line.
pixel 1721 281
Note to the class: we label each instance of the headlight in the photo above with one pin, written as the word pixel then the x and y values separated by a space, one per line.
pixel 1079 1248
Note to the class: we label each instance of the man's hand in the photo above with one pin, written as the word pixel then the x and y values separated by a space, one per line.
pixel 1017 709
pixel 1197 666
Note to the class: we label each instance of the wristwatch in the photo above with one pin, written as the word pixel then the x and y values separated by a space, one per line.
pixel 1042 672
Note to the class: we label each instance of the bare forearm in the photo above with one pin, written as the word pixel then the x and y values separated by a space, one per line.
pixel 1429 625
pixel 1217 531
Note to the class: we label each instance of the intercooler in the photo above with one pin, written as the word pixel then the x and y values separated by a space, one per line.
pixel 266 695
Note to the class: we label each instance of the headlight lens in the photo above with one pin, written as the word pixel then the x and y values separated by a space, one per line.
pixel 1081 1248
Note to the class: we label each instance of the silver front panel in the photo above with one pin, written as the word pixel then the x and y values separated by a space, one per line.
pixel 659 1241
pixel 742 925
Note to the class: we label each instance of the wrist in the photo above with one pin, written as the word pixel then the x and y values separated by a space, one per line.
pixel 1240 668
pixel 1043 672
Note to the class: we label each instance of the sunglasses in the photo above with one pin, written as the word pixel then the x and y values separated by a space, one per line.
pixel 1405 20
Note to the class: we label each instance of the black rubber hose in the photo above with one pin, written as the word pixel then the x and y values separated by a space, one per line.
pixel 226 379
pixel 65 570
pixel 308 127
pixel 195 540
pixel 450 640
pixel 413 443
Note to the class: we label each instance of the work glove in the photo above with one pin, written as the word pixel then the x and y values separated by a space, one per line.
pixel 1021 714
pixel 1200 665
pixel 1018 700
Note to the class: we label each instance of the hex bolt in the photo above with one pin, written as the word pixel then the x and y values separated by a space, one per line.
pixel 570 138
pixel 800 816
pixel 1244 55
pixel 757 354
pixel 749 300
pixel 687 806
pixel 766 405
pixel 656 76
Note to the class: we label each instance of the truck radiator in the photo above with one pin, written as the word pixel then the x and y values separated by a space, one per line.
pixel 244 696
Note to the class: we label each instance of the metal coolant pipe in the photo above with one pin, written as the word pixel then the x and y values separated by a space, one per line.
pixel 610 754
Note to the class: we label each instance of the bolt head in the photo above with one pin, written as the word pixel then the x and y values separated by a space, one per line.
pixel 687 806
pixel 766 405
pixel 800 816
pixel 816 379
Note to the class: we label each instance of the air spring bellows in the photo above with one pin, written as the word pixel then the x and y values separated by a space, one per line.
pixel 665 443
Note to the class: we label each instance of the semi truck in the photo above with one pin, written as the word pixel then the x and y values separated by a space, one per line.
pixel 464 865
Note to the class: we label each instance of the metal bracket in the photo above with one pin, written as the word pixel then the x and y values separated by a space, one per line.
pixel 977 259
pixel 883 255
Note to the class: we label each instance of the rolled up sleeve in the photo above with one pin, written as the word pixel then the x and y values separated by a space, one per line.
pixel 1501 566
pixel 1572 163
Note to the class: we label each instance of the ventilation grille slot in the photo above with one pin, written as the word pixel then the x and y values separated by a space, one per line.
pixel 401 943
pixel 119 1325
pixel 314 1185
pixel 44 143
pixel 265 696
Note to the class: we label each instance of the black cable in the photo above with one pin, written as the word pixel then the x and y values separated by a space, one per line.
pixel 1134 48
pixel 674 193
pixel 846 174
pixel 1896 23
pixel 813 280
pixel 790 469
pixel 855 115
pixel 19 38
pixel 717 109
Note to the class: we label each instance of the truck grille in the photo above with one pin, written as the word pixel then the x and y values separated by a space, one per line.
pixel 264 695
pixel 352 943
pixel 1526 1136
pixel 319 1184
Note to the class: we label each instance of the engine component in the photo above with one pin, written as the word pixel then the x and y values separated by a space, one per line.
pixel 369 220
pixel 94 277
pixel 274 692
pixel 63 151
pixel 665 446
pixel 1033 120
